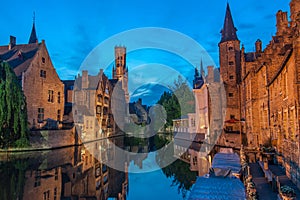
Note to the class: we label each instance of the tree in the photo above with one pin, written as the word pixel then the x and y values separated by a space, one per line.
pixel 179 102
pixel 13 113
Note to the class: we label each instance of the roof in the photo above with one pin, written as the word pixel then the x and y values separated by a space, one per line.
pixel 218 188
pixel 33 38
pixel 19 57
pixel 228 31
pixel 227 161
pixel 250 57
pixel 93 82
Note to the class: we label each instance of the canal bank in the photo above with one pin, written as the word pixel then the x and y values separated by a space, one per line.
pixel 42 140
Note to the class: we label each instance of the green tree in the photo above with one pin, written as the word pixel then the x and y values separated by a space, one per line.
pixel 179 102
pixel 13 113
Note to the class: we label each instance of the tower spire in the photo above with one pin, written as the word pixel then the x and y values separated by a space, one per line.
pixel 202 70
pixel 228 31
pixel 33 38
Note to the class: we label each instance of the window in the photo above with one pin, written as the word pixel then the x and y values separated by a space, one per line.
pixel 231 63
pixel 37 181
pixel 230 94
pixel 193 123
pixel 232 117
pixel 47 195
pixel 231 77
pixel 230 48
pixel 43 73
pixel 99 98
pixel 43 60
pixel 55 193
pixel 229 128
pixel 58 115
pixel 40 115
pixel 58 97
pixel 98 110
pixel 56 174
pixel 50 96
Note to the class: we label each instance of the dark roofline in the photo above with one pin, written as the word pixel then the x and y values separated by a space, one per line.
pixel 286 59
pixel 229 30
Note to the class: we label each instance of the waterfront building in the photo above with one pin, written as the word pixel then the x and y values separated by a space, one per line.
pixel 91 106
pixel 262 89
pixel 40 83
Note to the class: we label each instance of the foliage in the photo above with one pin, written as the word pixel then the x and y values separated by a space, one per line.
pixel 13 113
pixel 182 176
pixel 13 179
pixel 178 102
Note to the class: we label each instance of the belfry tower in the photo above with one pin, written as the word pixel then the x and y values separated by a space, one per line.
pixel 120 70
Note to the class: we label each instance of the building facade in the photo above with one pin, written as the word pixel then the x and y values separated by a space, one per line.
pixel 41 85
pixel 262 89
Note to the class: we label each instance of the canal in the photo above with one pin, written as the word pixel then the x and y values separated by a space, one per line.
pixel 98 170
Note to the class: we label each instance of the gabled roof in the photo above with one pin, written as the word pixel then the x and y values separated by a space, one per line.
pixel 19 57
pixel 228 31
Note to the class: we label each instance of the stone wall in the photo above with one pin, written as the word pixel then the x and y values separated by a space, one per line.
pixel 41 139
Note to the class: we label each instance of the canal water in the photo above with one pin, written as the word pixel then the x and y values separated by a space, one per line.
pixel 97 171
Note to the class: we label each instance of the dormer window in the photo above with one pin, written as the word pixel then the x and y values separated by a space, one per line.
pixel 20 55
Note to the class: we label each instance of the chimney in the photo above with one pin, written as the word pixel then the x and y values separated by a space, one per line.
pixel 12 42
pixel 258 46
pixel 294 11
pixel 210 74
pixel 85 79
pixel 281 22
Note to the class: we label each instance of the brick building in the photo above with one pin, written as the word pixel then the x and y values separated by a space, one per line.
pixel 92 101
pixel 42 87
pixel 263 88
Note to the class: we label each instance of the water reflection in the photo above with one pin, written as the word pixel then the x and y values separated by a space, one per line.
pixel 85 172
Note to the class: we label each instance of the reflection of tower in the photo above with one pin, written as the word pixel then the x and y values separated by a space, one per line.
pixel 120 71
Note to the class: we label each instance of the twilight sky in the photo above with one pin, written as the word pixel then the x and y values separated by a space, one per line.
pixel 72 29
